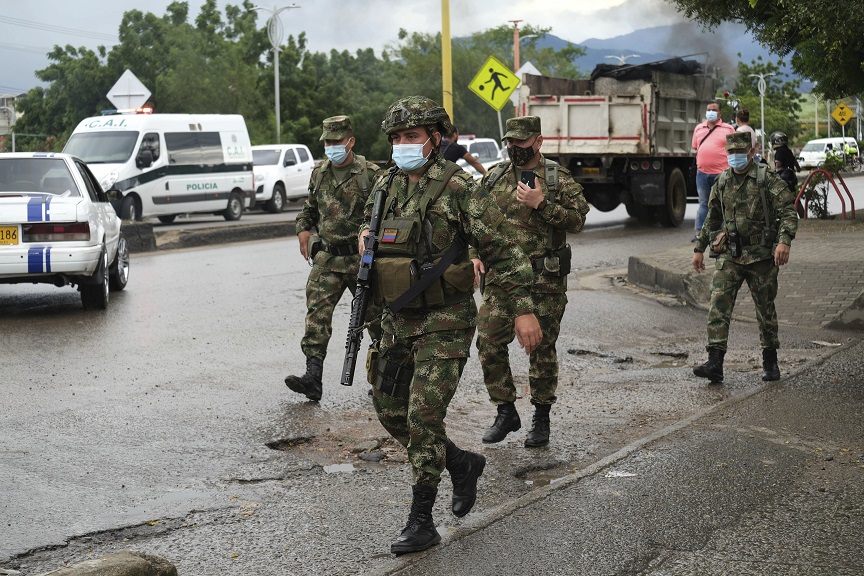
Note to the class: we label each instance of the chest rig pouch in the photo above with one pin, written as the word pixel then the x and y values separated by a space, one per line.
pixel 405 256
pixel 556 260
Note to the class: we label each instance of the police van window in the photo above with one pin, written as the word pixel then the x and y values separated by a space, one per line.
pixel 304 157
pixel 194 148
pixel 183 147
pixel 150 142
pixel 211 149
pixel 290 158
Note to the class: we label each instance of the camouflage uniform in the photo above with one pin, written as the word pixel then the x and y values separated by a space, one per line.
pixel 433 210
pixel 335 208
pixel 435 342
pixel 742 206
pixel 531 229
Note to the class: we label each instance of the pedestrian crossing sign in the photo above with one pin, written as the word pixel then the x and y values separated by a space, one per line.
pixel 494 83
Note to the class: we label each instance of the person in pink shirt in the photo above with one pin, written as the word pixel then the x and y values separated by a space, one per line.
pixel 709 141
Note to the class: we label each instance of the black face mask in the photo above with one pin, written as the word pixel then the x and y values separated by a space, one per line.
pixel 521 156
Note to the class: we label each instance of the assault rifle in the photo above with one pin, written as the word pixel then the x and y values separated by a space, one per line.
pixel 363 293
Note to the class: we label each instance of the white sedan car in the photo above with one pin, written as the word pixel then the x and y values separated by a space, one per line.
pixel 58 227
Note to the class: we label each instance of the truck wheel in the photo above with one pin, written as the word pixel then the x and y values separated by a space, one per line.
pixel 644 214
pixel 603 202
pixel 277 202
pixel 671 214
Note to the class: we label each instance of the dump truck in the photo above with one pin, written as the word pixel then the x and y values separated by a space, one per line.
pixel 625 133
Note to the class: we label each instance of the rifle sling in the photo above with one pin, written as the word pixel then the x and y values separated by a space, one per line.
pixel 426 279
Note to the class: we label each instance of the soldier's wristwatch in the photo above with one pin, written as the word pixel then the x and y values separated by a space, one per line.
pixel 543 203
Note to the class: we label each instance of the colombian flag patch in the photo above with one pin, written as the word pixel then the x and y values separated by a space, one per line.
pixel 389 235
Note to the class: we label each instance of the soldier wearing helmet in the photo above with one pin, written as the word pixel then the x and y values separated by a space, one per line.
pixel 434 210
pixel 784 160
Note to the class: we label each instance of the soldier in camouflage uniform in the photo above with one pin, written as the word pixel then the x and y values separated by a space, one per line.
pixel 757 210
pixel 426 344
pixel 338 190
pixel 540 216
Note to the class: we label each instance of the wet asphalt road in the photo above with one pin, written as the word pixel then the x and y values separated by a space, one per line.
pixel 163 426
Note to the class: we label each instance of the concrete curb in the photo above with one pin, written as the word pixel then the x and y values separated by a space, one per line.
pixel 663 271
pixel 119 564
pixel 139 236
pixel 142 237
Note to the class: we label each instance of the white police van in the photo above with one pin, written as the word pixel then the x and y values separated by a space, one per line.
pixel 169 164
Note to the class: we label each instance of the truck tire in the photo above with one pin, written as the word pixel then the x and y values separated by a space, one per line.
pixel 671 214
pixel 644 214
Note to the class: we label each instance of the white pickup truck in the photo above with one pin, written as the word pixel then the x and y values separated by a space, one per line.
pixel 282 173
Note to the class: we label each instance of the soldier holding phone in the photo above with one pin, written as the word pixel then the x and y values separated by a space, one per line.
pixel 541 203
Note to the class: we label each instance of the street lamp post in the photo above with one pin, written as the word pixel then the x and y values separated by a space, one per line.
pixel 622 59
pixel 274 34
pixel 516 46
pixel 762 87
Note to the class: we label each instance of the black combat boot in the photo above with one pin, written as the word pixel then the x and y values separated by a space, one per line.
pixel 770 368
pixel 713 368
pixel 420 533
pixel 465 468
pixel 506 421
pixel 310 383
pixel 539 433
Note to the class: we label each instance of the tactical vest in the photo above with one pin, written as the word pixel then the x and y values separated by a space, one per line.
pixel 362 178
pixel 768 235
pixel 556 261
pixel 405 253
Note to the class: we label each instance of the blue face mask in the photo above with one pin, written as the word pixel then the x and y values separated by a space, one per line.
pixel 337 154
pixel 409 157
pixel 738 161
pixel 712 115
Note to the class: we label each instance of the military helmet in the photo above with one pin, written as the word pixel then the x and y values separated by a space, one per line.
pixel 778 139
pixel 415 111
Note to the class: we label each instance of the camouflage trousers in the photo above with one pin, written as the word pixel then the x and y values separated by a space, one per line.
pixel 495 331
pixel 728 277
pixel 416 419
pixel 324 289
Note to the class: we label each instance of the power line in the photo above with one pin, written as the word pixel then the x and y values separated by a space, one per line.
pixel 58 29
pixel 31 49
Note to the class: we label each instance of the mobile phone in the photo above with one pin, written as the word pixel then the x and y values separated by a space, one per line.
pixel 528 177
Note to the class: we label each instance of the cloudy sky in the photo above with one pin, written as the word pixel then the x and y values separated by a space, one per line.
pixel 28 30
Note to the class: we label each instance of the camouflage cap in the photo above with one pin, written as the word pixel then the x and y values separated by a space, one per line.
pixel 738 141
pixel 522 127
pixel 336 128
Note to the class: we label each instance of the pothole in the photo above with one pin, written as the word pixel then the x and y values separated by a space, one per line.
pixel 542 473
pixel 339 468
pixel 285 444
pixel 611 357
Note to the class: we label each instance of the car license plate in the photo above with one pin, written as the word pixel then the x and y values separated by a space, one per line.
pixel 591 170
pixel 8 235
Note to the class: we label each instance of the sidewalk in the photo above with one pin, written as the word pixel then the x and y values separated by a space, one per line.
pixel 821 287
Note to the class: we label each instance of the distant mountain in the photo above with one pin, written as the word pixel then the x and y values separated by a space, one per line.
pixel 721 47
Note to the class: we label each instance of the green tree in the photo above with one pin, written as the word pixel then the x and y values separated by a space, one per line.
pixel 822 37
pixel 421 54
pixel 782 98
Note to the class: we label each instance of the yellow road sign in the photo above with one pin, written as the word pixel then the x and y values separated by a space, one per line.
pixel 494 83
pixel 842 114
